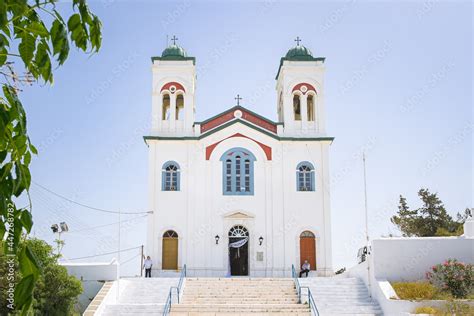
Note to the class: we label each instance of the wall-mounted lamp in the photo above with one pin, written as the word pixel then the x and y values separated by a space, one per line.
pixel 260 240
pixel 217 239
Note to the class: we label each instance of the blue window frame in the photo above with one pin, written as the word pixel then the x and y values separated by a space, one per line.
pixel 170 176
pixel 305 177
pixel 237 172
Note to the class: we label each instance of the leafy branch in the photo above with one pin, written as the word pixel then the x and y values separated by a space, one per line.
pixel 27 39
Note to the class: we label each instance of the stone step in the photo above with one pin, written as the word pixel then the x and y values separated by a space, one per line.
pixel 235 314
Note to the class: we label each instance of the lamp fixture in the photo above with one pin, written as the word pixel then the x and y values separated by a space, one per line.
pixel 217 239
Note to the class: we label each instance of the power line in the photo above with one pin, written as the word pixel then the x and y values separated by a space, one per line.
pixel 104 254
pixel 105 225
pixel 130 259
pixel 84 205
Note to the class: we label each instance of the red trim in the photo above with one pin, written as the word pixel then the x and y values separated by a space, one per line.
pixel 248 116
pixel 266 149
pixel 176 84
pixel 299 85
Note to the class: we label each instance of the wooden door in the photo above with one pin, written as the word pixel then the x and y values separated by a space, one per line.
pixel 308 250
pixel 170 253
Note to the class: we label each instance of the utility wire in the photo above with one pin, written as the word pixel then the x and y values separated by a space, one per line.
pixel 104 254
pixel 105 225
pixel 130 259
pixel 84 205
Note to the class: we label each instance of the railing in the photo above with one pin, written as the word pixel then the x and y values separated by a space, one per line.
pixel 311 302
pixel 169 300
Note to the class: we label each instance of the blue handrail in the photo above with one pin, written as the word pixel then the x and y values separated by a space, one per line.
pixel 311 302
pixel 167 307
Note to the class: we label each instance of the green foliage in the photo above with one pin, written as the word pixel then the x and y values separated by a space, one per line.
pixel 414 290
pixel 426 310
pixel 458 309
pixel 453 276
pixel 431 219
pixel 54 292
pixel 35 34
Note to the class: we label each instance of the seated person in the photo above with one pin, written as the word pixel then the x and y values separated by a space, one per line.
pixel 305 268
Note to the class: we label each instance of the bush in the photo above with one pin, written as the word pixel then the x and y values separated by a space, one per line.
pixel 426 310
pixel 414 290
pixel 458 309
pixel 453 276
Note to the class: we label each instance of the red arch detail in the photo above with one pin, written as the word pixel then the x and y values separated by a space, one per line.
pixel 266 149
pixel 176 84
pixel 299 85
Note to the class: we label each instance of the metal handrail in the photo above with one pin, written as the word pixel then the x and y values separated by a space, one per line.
pixel 297 282
pixel 311 302
pixel 167 307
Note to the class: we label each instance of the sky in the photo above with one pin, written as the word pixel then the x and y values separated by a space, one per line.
pixel 398 86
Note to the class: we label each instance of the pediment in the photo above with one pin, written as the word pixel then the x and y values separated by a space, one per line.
pixel 238 215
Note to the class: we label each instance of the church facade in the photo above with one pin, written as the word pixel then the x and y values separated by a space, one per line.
pixel 239 194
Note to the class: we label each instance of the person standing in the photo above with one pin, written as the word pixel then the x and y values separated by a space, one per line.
pixel 305 268
pixel 147 266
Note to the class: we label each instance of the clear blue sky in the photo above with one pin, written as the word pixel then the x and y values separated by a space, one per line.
pixel 398 84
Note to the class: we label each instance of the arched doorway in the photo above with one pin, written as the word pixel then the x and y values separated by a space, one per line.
pixel 238 250
pixel 170 250
pixel 308 249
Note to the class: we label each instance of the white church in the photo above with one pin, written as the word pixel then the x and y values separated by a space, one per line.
pixel 239 194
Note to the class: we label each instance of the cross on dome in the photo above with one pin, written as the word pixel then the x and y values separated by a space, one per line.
pixel 174 39
pixel 298 40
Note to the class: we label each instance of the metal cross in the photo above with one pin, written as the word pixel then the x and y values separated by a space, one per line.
pixel 238 98
pixel 174 39
pixel 297 40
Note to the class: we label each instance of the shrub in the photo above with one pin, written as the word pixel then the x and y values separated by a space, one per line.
pixel 458 309
pixel 426 310
pixel 453 276
pixel 414 290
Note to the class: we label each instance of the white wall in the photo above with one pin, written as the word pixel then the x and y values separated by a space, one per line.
pixel 276 211
pixel 407 259
pixel 397 259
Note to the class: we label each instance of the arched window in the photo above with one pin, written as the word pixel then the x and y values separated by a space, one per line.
pixel 170 176
pixel 305 177
pixel 170 234
pixel 166 107
pixel 297 107
pixel 180 107
pixel 238 172
pixel 310 105
pixel 238 231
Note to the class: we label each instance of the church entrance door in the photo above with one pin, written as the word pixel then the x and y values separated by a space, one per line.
pixel 170 250
pixel 308 249
pixel 238 250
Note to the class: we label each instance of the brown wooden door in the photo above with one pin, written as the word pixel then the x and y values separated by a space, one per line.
pixel 308 251
pixel 170 253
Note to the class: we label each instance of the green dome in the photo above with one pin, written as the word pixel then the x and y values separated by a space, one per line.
pixel 174 52
pixel 298 53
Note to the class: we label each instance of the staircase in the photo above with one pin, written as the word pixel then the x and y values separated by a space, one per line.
pixel 340 296
pixel 239 296
pixel 141 296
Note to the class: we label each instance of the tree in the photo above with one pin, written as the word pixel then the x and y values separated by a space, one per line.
pixel 38 38
pixel 55 291
pixel 431 219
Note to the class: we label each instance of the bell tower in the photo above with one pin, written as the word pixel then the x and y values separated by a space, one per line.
pixel 174 79
pixel 300 88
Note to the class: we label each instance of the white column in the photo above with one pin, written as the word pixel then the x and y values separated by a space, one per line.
pixel 289 116
pixel 304 111
pixel 156 110
pixel 172 121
